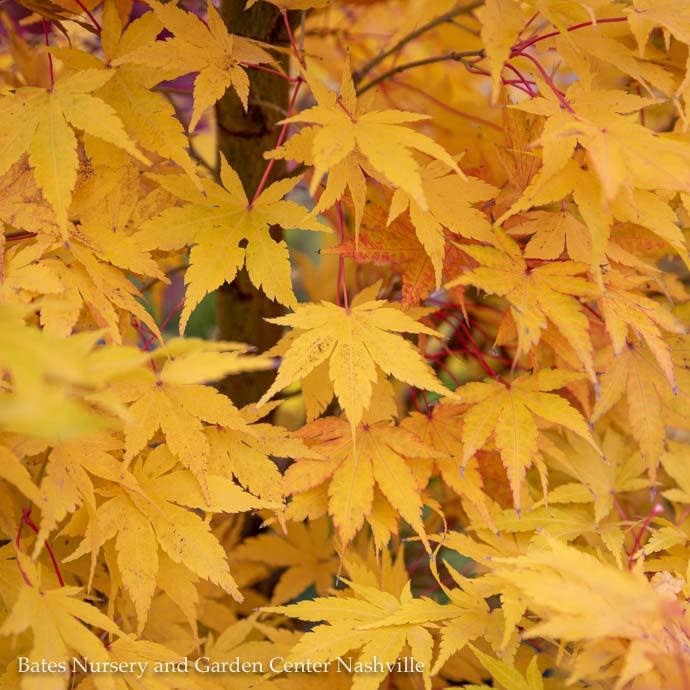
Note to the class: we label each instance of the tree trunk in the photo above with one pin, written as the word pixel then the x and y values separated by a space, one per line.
pixel 242 139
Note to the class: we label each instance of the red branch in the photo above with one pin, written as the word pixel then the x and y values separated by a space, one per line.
pixel 476 352
pixel 293 44
pixel 519 47
pixel 342 282
pixel 657 509
pixel 281 138
pixel 93 19
pixel 26 520
pixel 270 70
pixel 549 80
pixel 46 31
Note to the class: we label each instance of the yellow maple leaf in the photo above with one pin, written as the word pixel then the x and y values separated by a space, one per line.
pixel 56 381
pixel 21 204
pixel 23 273
pixel 441 429
pixel 501 24
pixel 595 481
pixel 99 291
pixel 450 200
pixel 671 15
pixel 67 482
pixel 472 616
pixel 347 139
pixel 624 154
pixel 218 223
pixel 41 123
pixel 635 376
pixel 306 552
pixel 579 597
pixel 373 621
pixel 58 620
pixel 509 412
pixel 639 206
pixel 592 44
pixel 624 310
pixel 378 457
pixel 155 512
pixel 552 234
pixel 246 454
pixel 536 295
pixel 508 676
pixel 174 400
pixel 208 49
pixel 354 341
pixel 148 117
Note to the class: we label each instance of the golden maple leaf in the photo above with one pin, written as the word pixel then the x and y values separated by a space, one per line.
pixel 635 376
pixel 441 429
pixel 175 401
pixel 355 341
pixel 624 310
pixel 376 622
pixel 41 123
pixel 450 200
pixel 128 91
pixel 398 247
pixel 306 552
pixel 602 601
pixel 348 139
pixel 208 49
pixel 536 295
pixel 623 153
pixel 351 469
pixel 509 412
pixel 218 223
pixel 156 511
pixel 58 619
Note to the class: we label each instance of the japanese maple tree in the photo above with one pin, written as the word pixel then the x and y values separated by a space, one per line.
pixel 341 332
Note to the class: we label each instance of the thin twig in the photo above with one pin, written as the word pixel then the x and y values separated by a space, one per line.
pixel 519 47
pixel 437 21
pixel 342 281
pixel 281 138
pixel 93 19
pixel 46 31
pixel 455 56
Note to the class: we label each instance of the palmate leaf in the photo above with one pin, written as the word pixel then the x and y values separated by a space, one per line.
pixel 537 295
pixel 509 412
pixel 306 552
pixel 354 341
pixel 41 123
pixel 128 90
pixel 207 49
pixel 176 401
pixel 358 473
pixel 157 513
pixel 450 201
pixel 57 618
pixel 218 223
pixel 397 247
pixel 375 621
pixel 348 138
